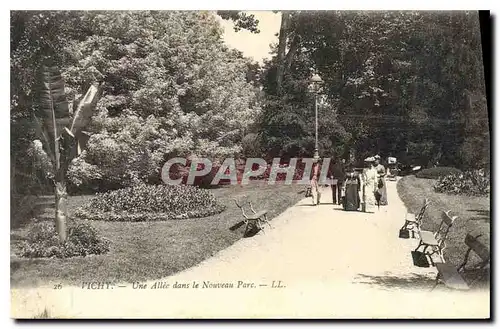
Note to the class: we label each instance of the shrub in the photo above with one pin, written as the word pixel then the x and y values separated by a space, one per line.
pixel 297 174
pixel 250 145
pixel 83 240
pixel 472 183
pixel 150 203
pixel 436 172
pixel 205 181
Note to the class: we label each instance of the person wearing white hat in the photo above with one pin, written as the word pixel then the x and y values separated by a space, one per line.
pixel 369 184
pixel 381 181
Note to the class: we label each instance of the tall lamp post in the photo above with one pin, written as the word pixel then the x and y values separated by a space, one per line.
pixel 315 86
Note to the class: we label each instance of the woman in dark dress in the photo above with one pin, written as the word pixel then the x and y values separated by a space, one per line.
pixel 352 185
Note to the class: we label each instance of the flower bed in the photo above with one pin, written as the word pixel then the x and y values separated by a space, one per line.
pixel 42 242
pixel 151 203
pixel 473 183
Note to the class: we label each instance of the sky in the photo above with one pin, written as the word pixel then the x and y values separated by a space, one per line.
pixel 254 45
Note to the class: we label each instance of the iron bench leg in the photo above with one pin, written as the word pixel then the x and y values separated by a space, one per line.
pixel 246 228
pixel 267 221
pixel 260 226
pixel 409 226
pixel 438 277
pixel 419 244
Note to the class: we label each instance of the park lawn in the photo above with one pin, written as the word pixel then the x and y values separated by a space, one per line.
pixel 150 250
pixel 473 214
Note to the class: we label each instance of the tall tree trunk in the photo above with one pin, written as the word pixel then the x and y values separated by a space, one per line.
pixel 61 217
pixel 62 135
pixel 283 36
pixel 291 52
pixel 61 209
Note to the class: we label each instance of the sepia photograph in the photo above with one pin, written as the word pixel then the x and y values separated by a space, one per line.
pixel 223 164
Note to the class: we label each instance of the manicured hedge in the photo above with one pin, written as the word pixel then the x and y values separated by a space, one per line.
pixel 151 203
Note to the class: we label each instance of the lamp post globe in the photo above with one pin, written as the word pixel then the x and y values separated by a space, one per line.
pixel 316 79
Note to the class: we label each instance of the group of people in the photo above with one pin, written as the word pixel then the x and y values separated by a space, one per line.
pixel 348 184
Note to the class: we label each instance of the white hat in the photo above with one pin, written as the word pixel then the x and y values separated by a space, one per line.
pixel 377 157
pixel 370 159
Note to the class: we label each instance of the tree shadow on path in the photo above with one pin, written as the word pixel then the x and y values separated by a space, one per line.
pixel 40 207
pixel 480 214
pixel 410 281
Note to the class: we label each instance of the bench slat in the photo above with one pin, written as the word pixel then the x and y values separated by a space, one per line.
pixel 428 238
pixel 445 216
pixel 480 249
pixel 451 277
pixel 257 215
pixel 410 217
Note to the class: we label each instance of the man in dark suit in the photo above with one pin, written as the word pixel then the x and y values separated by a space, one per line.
pixel 337 172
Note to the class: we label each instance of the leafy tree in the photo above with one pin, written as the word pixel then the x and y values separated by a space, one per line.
pixel 396 81
pixel 288 122
pixel 399 79
pixel 241 20
pixel 63 136
pixel 34 35
pixel 289 35
pixel 172 88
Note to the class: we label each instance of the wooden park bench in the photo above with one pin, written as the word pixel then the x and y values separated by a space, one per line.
pixel 256 219
pixel 414 222
pixel 455 278
pixel 436 241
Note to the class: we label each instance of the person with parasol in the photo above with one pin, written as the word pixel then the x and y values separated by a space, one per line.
pixel 370 183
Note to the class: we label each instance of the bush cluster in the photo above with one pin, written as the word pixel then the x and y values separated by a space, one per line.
pixel 437 172
pixel 297 174
pixel 471 183
pixel 144 202
pixel 83 240
pixel 205 181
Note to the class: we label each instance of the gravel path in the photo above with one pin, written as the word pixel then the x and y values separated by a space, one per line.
pixel 323 262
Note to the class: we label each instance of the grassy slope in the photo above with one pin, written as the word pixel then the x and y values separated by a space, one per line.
pixel 152 250
pixel 473 213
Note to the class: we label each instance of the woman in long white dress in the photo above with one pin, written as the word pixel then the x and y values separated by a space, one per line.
pixel 370 184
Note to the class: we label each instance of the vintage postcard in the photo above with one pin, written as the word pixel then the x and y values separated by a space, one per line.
pixel 249 165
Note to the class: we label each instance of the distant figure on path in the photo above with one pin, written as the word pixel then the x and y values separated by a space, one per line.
pixel 316 195
pixel 370 183
pixel 381 184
